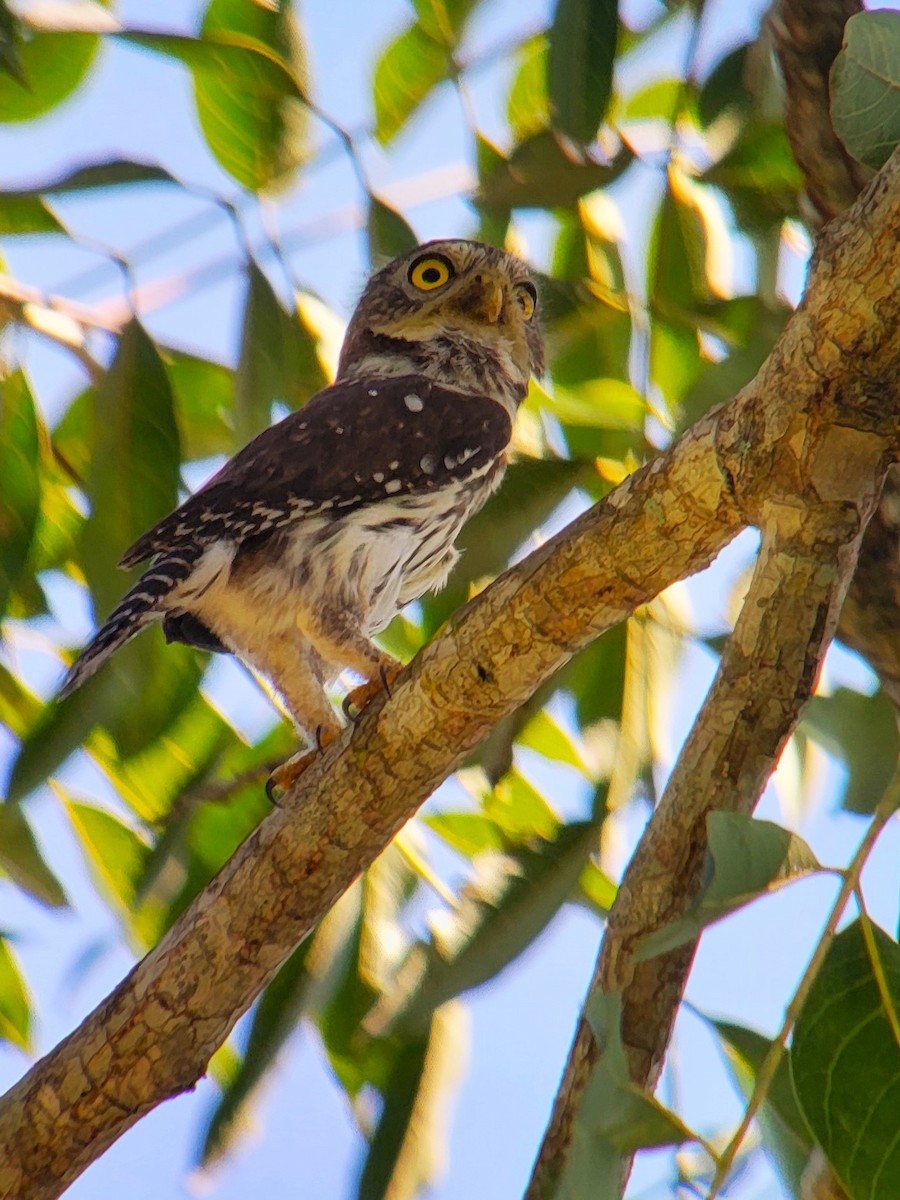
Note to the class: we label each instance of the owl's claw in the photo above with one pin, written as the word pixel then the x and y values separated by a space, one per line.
pixel 356 701
pixel 286 775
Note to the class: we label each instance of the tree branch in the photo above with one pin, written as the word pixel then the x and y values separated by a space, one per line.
pixel 807 35
pixel 807 467
pixel 152 1037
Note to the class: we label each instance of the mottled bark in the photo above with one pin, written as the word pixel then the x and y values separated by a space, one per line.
pixel 806 463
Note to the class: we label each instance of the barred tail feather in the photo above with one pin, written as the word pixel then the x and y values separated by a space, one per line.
pixel 139 607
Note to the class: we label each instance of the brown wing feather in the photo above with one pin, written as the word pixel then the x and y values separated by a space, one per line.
pixel 353 444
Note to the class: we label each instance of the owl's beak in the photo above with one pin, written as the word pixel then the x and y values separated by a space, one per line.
pixel 484 299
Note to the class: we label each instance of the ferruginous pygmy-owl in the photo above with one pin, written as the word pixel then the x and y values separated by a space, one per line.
pixel 318 532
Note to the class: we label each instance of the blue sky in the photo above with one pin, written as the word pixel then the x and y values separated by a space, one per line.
pixel 139 105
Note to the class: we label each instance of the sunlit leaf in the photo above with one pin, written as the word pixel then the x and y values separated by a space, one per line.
pixel 23 862
pixel 407 71
pixel 582 50
pixel 845 1062
pixel 746 858
pixel 26 213
pixel 20 495
pixel 54 64
pixel 528 108
pixel 15 1009
pixel 865 86
pixel 255 125
pixel 469 833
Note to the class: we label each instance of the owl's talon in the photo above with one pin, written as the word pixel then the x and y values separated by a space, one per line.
pixel 285 776
pixel 356 701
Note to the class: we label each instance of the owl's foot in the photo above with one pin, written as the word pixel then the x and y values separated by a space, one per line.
pixel 356 701
pixel 286 775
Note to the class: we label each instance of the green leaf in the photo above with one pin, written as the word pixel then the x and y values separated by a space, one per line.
pixel 528 108
pixel 256 126
pixel 134 476
pixel 204 403
pixel 116 857
pixel 785 1134
pixel 599 404
pixel 20 495
pixel 845 1062
pixel 582 50
pixel 407 1148
pixel 543 173
pixel 23 862
pixel 723 90
pixel 53 64
pixel 19 707
pixel 746 858
pixel 614 1117
pixel 10 39
pixel 760 177
pixel 658 101
pixel 260 377
pixel 15 1009
pixel 26 213
pixel 865 87
pixel 511 899
pixel 862 731
pixel 444 20
pixel 388 233
pixel 407 71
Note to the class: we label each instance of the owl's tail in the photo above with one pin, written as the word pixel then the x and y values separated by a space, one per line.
pixel 137 608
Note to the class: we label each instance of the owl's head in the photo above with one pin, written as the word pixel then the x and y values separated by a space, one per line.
pixel 450 309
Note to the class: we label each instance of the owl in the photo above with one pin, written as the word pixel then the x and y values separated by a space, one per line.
pixel 317 533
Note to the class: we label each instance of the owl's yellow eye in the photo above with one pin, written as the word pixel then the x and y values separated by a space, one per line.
pixel 527 298
pixel 431 272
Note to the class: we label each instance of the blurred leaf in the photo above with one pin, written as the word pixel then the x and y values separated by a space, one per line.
pixel 784 1132
pixel 845 1062
pixel 23 862
pixel 443 20
pixel 614 1117
pixel 520 810
pixel 596 678
pixel 528 108
pixel 407 71
pixel 53 64
pixel 760 177
pixel 254 123
pixel 746 858
pixel 723 90
pixel 204 403
pixel 260 377
pixel 581 53
pixel 510 900
pixel 20 496
pixel 10 38
pixel 596 888
pixel 116 854
pixel 26 213
pixel 15 1010
pixel 388 233
pixel 658 101
pixel 862 731
pixel 547 737
pixel 134 475
pixel 469 833
pixel 542 172
pixel 407 1148
pixel 599 403
pixel 865 87
pixel 19 707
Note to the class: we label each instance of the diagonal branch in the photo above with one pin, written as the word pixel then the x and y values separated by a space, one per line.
pixel 152 1037
pixel 808 470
